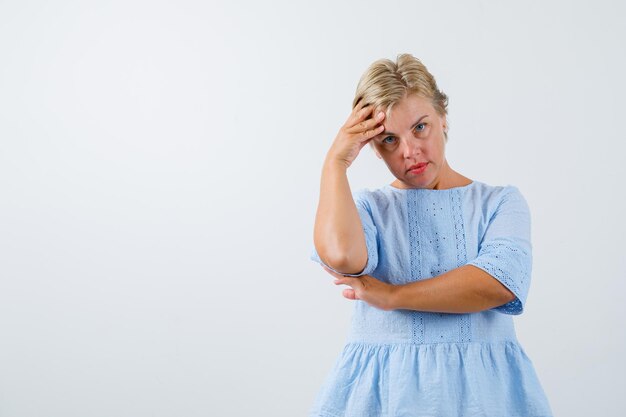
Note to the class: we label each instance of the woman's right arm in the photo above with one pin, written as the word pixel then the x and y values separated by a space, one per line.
pixel 338 235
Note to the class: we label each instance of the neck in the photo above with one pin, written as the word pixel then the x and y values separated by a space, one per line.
pixel 451 179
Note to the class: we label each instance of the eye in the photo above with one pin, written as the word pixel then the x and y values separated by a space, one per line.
pixel 386 141
pixel 420 127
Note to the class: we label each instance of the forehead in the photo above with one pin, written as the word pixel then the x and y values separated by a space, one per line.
pixel 410 108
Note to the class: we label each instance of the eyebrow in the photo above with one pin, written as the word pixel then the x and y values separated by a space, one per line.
pixel 387 133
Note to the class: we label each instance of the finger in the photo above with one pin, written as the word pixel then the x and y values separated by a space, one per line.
pixel 368 134
pixel 367 124
pixel 341 281
pixel 363 138
pixel 361 103
pixel 359 115
pixel 363 114
pixel 350 281
pixel 349 294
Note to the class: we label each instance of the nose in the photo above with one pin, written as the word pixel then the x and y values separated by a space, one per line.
pixel 410 147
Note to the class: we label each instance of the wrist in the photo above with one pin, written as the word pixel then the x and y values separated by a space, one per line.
pixel 334 163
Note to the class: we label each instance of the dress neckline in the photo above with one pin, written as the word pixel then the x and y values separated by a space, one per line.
pixel 405 190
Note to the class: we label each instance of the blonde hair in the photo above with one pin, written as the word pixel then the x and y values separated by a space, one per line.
pixel 385 83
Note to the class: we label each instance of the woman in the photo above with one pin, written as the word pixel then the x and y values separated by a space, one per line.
pixel 436 262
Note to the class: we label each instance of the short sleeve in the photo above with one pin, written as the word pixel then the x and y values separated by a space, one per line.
pixel 505 250
pixel 371 236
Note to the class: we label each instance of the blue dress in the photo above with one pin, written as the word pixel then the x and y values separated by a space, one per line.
pixel 423 364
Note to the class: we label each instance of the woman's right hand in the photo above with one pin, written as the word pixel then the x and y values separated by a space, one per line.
pixel 358 130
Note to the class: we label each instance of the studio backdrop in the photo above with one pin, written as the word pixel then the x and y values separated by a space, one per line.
pixel 159 174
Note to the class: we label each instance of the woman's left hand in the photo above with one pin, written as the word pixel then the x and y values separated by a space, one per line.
pixel 367 288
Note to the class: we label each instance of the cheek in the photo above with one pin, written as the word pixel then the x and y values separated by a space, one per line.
pixel 392 163
pixel 437 148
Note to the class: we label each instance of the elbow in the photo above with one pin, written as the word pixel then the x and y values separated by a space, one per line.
pixel 331 258
pixel 508 296
pixel 494 291
pixel 343 261
pixel 491 299
pixel 345 254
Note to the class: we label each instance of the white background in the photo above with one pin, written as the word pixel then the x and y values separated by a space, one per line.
pixel 159 175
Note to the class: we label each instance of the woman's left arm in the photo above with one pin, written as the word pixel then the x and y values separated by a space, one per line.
pixel 466 289
pixel 498 278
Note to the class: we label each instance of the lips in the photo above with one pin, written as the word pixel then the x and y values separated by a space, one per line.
pixel 418 166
